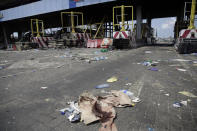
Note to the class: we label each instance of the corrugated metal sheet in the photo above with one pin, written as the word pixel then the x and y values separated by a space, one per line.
pixel 44 6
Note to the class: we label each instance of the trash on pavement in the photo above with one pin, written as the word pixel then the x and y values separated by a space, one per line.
pixel 175 65
pixel 187 94
pixel 167 94
pixel 102 86
pixel 100 58
pixel 177 105
pixel 184 103
pixel 102 108
pixel 128 84
pixel 104 50
pixel 153 69
pixel 63 111
pixel 179 69
pixel 86 105
pixel 195 62
pixel 148 52
pixel 112 79
pixel 131 96
pixel 180 60
pixel 150 63
pixel 90 108
pixel 72 113
pixel 150 129
pixel 195 54
pixel 44 88
pixel 188 100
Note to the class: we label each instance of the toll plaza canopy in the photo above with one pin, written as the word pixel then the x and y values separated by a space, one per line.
pixel 19 12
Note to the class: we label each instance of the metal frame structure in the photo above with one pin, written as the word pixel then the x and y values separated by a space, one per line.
pixel 122 7
pixel 187 11
pixel 72 14
pixel 37 32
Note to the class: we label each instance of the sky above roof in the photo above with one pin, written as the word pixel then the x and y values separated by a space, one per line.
pixel 165 26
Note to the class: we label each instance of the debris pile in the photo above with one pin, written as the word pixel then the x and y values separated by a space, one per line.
pixel 90 108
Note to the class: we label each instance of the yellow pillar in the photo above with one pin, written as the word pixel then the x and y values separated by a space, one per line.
pixel 72 22
pixel 122 15
pixel 192 16
pixel 37 28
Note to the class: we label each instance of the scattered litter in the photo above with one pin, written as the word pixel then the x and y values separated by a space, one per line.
pixel 102 108
pixel 161 90
pixel 63 111
pixel 72 113
pixel 175 65
pixel 47 99
pixel 131 96
pixel 195 62
pixel 179 69
pixel 128 84
pixel 188 100
pixel 148 52
pixel 187 94
pixel 100 58
pixel 184 103
pixel 180 60
pixel 90 108
pixel 150 63
pixel 150 129
pixel 195 54
pixel 112 79
pixel 104 50
pixel 6 88
pixel 153 69
pixel 102 86
pixel 44 88
pixel 136 100
pixel 177 105
pixel 167 94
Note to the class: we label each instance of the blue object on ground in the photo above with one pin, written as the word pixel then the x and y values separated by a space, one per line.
pixel 150 129
pixel 102 86
pixel 153 69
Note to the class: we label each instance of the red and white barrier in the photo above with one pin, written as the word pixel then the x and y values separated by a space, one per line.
pixel 84 36
pixel 188 33
pixel 96 43
pixel 42 41
pixel 106 42
pixel 121 34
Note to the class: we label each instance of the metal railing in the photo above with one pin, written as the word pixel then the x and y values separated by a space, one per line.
pixel 72 14
pixel 35 23
pixel 122 24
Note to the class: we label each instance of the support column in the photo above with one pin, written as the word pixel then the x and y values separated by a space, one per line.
pixel 5 35
pixel 110 30
pixel 20 35
pixel 139 21
pixel 149 21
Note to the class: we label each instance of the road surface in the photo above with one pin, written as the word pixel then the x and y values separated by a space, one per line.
pixel 25 106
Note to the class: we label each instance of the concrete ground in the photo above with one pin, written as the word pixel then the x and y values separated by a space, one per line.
pixel 24 106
